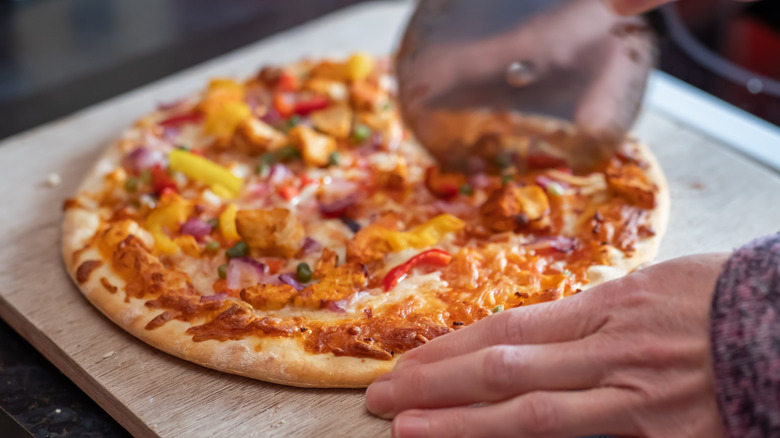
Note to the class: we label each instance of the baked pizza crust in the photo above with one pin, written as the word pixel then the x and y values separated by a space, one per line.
pixel 647 249
pixel 272 359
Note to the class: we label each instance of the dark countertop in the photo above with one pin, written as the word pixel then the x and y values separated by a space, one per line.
pixel 57 56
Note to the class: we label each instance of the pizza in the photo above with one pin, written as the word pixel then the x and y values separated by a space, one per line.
pixel 286 227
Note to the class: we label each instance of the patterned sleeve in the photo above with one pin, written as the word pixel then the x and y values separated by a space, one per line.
pixel 746 340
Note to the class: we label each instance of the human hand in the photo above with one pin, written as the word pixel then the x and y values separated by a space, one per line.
pixel 628 357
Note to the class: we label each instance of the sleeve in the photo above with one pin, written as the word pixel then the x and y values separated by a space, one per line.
pixel 746 340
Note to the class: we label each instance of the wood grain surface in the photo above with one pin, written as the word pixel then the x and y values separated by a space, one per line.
pixel 720 200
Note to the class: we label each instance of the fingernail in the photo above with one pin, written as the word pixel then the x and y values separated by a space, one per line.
pixel 410 426
pixel 379 399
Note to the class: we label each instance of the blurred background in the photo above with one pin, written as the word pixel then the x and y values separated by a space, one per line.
pixel 57 56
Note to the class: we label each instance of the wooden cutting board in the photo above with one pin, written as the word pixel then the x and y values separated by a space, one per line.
pixel 719 200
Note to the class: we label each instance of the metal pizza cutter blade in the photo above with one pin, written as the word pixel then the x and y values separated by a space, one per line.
pixel 530 83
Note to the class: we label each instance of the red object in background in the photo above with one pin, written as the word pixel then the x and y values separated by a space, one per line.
pixel 754 45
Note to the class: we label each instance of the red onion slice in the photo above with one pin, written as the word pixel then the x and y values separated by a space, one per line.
pixel 336 208
pixel 196 228
pixel 453 208
pixel 337 306
pixel 143 158
pixel 289 279
pixel 310 245
pixel 242 272
pixel 272 117
pixel 279 173
pixel 545 181
pixel 479 181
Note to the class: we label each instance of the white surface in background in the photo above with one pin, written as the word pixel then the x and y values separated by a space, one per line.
pixel 722 121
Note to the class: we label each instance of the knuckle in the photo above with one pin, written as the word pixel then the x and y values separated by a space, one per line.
pixel 415 380
pixel 449 426
pixel 510 328
pixel 498 368
pixel 537 415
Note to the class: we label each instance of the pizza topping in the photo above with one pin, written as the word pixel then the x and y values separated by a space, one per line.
pixel 240 249
pixel 315 147
pixel 427 234
pixel 161 182
pixel 141 159
pixel 243 271
pixel 172 211
pixel 221 181
pixel 268 296
pixel 196 228
pixel 254 137
pixel 432 257
pixel 326 264
pixel 227 222
pixel 341 283
pixel 370 244
pixel 289 279
pixel 275 232
pixel 443 185
pixel 512 207
pixel 335 121
pixel 304 272
pixel 630 182
pixel 181 119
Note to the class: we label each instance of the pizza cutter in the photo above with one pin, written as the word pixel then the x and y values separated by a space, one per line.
pixel 529 82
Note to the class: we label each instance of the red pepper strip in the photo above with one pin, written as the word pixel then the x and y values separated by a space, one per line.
pixel 283 104
pixel 161 182
pixel 192 117
pixel 432 257
pixel 288 82
pixel 308 106
pixel 288 192
pixel 543 161
pixel 442 185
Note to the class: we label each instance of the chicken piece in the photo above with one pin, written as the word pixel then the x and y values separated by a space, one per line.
pixel 255 137
pixel 630 182
pixel 335 120
pixel 512 206
pixel 275 232
pixel 365 95
pixel 339 284
pixel 393 179
pixel 370 243
pixel 268 296
pixel 335 90
pixel 326 264
pixel 315 147
pixel 335 71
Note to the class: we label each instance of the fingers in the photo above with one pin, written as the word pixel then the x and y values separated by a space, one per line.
pixel 559 321
pixel 633 7
pixel 538 414
pixel 488 375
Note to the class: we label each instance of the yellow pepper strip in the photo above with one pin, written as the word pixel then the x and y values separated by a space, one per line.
pixel 170 214
pixel 221 90
pixel 205 171
pixel 222 120
pixel 425 235
pixel 227 222
pixel 359 66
